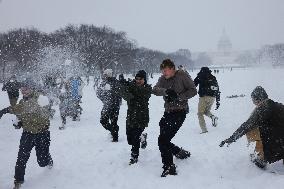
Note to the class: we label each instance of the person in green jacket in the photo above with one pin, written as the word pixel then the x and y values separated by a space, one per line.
pixel 137 94
pixel 34 119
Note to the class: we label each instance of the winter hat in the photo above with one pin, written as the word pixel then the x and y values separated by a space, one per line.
pixel 142 74
pixel 259 94
pixel 108 72
pixel 205 70
pixel 29 83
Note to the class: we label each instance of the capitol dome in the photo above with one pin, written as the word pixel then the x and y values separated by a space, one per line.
pixel 224 44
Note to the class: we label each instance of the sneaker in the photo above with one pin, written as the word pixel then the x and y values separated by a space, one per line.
pixel 133 161
pixel 214 121
pixel 204 132
pixel 169 170
pixel 143 140
pixel 62 127
pixel 50 165
pixel 17 184
pixel 183 154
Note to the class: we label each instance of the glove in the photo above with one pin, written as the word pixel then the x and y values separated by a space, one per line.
pixel 4 111
pixel 171 95
pixel 18 125
pixel 217 105
pixel 228 141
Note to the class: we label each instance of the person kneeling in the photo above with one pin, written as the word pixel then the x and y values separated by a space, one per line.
pixel 268 120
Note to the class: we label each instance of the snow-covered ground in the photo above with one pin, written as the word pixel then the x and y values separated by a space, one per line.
pixel 85 158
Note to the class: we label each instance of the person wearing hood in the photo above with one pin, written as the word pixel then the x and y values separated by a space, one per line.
pixel 12 87
pixel 34 119
pixel 108 93
pixel 208 91
pixel 137 94
pixel 266 125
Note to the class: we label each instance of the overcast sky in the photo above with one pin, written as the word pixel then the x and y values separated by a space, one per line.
pixel 165 25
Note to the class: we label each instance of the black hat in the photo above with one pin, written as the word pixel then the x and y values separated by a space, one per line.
pixel 142 74
pixel 205 70
pixel 259 94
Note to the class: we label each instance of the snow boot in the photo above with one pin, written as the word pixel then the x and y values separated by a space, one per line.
pixel 183 154
pixel 17 184
pixel 214 120
pixel 133 159
pixel 260 163
pixel 143 140
pixel 114 136
pixel 169 170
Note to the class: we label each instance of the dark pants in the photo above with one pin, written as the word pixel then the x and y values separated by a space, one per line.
pixel 109 118
pixel 169 126
pixel 133 139
pixel 41 142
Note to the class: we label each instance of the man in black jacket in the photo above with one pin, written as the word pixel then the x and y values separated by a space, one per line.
pixel 107 92
pixel 208 91
pixel 268 118
pixel 137 94
pixel 12 87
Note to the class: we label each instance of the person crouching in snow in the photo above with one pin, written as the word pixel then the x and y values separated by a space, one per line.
pixel 35 122
pixel 107 92
pixel 267 119
pixel 137 94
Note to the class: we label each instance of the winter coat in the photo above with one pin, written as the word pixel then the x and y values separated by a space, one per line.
pixel 137 98
pixel 208 85
pixel 12 88
pixel 34 118
pixel 108 93
pixel 182 84
pixel 269 118
pixel 67 105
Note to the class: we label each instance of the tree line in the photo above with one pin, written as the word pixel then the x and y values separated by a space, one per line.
pixel 85 49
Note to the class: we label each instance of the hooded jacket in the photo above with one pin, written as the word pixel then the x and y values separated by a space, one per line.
pixel 269 118
pixel 208 85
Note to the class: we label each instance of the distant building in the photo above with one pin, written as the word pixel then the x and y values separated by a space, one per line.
pixel 224 55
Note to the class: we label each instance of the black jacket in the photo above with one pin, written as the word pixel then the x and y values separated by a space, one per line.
pixel 269 118
pixel 108 93
pixel 137 98
pixel 208 85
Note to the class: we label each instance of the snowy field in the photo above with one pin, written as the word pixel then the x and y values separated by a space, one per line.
pixel 85 158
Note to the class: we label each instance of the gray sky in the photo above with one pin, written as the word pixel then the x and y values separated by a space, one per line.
pixel 165 25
